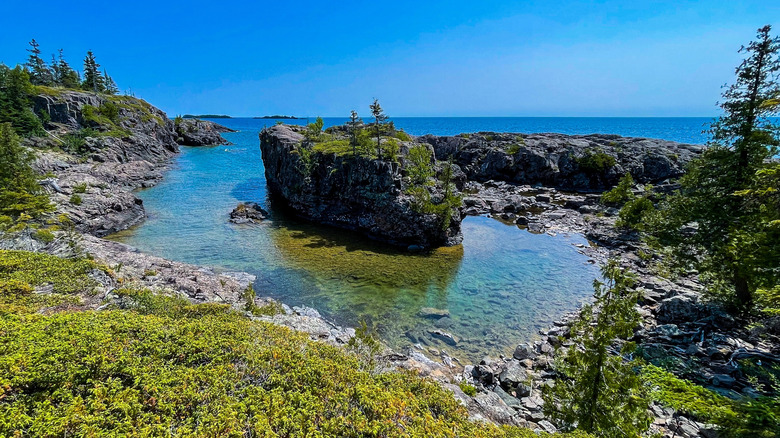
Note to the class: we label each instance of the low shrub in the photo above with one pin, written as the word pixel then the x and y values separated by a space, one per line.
pixel 75 199
pixel 596 162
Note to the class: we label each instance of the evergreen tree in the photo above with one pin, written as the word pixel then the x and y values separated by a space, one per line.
pixel 93 80
pixel 15 101
pixel 354 126
pixel 379 118
pixel 68 77
pixel 39 72
pixel 20 193
pixel 597 391
pixel 111 87
pixel 707 224
pixel 54 68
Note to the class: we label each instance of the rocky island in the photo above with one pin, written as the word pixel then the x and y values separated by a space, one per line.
pixel 328 181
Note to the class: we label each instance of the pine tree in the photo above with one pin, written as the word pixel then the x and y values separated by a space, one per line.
pixel 93 80
pixel 721 245
pixel 39 72
pixel 54 68
pixel 15 101
pixel 379 118
pixel 68 77
pixel 354 126
pixel 111 87
pixel 598 391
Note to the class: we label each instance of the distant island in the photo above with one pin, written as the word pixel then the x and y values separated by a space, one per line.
pixel 206 116
pixel 277 117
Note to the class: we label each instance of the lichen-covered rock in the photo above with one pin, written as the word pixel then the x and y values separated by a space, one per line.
pixel 363 194
pixel 571 162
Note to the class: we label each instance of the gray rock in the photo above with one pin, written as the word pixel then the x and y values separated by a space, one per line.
pixel 447 337
pixel 523 352
pixel 433 313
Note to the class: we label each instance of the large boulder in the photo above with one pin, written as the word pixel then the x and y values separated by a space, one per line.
pixel 196 132
pixel 358 193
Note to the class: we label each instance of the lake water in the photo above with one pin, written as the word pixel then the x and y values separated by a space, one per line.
pixel 500 287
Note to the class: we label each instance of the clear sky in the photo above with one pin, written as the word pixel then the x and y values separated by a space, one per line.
pixel 420 58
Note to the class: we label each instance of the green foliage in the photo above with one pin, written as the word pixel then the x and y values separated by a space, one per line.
pixel 307 162
pixel 273 308
pixel 633 215
pixel 467 389
pixel 596 162
pixel 621 193
pixel 74 142
pixel 336 147
pixel 401 135
pixel 19 190
pixel 724 221
pixel 45 236
pixel 75 199
pixel 80 188
pixel 597 391
pixel 420 169
pixel 735 418
pixel 93 79
pixel 39 71
pixel 392 147
pixel 313 131
pixel 16 101
pixel 207 373
pixel 379 119
pixel 366 346
pixel 67 276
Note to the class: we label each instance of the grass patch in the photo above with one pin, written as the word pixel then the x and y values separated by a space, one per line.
pixel 335 147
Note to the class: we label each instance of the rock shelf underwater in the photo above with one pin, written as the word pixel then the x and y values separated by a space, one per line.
pixel 478 283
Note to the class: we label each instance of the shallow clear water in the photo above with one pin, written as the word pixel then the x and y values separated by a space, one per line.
pixel 500 286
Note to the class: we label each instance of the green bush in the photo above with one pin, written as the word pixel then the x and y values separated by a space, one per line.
pixel 467 389
pixel 621 193
pixel 214 374
pixel 75 199
pixel 634 213
pixel 420 169
pixel 44 236
pixel 596 163
pixel 80 188
pixel 66 276
pixel 403 136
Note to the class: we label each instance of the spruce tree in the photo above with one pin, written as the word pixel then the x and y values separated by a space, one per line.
pixel 39 72
pixel 68 77
pixel 354 126
pixel 15 101
pixel 110 85
pixel 597 390
pixel 707 225
pixel 54 68
pixel 93 80
pixel 379 118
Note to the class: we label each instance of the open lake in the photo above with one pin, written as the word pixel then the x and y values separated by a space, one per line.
pixel 500 287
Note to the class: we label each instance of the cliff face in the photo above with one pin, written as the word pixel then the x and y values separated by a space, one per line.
pixel 99 149
pixel 587 163
pixel 360 193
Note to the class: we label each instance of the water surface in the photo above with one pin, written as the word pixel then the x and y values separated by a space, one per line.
pixel 499 287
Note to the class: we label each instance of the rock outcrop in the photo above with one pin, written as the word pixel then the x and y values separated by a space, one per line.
pixel 196 132
pixel 102 147
pixel 363 194
pixel 586 163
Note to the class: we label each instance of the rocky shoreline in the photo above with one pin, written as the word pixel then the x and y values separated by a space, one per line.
pixel 675 320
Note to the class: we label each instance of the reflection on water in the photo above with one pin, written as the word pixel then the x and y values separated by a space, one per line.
pixel 500 287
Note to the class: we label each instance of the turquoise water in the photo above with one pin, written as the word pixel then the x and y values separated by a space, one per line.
pixel 500 286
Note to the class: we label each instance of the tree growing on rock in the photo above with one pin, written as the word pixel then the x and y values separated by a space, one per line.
pixel 354 126
pixel 379 119
pixel 711 224
pixel 39 72
pixel 66 76
pixel 93 80
pixel 598 391
pixel 20 193
pixel 15 101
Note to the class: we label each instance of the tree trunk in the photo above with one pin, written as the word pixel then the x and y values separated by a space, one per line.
pixel 742 289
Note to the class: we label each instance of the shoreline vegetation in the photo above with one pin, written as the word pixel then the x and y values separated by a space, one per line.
pixel 681 340
pixel 279 117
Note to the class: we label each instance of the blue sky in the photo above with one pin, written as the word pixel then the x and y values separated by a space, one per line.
pixel 422 58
